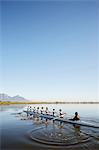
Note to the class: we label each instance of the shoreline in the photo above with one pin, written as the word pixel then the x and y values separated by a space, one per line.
pixel 17 102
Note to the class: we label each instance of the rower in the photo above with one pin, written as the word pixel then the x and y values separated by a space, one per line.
pixel 46 111
pixel 37 110
pixel 53 112
pixel 34 110
pixel 60 113
pixel 76 117
pixel 41 110
pixel 30 108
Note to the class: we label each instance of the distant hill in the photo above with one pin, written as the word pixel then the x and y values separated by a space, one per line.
pixel 5 97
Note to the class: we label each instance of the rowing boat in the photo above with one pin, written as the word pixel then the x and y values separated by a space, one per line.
pixel 65 120
pixel 47 116
pixel 78 122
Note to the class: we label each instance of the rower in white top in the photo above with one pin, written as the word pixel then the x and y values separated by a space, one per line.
pixel 34 109
pixel 37 110
pixel 41 110
pixel 61 115
pixel 46 110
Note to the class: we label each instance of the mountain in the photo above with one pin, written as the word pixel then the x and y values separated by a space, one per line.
pixel 5 97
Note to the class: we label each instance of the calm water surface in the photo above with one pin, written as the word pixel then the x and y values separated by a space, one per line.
pixel 21 132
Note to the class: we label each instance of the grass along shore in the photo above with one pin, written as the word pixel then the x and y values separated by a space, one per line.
pixel 34 102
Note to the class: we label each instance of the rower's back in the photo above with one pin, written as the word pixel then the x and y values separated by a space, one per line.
pixel 76 117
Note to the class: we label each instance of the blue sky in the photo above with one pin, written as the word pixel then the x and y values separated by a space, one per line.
pixel 50 49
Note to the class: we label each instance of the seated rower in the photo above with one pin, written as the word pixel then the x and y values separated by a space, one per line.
pixel 61 114
pixel 53 112
pixel 41 110
pixel 34 109
pixel 46 111
pixel 30 108
pixel 37 110
pixel 76 117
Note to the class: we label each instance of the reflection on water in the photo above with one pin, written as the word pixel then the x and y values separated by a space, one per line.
pixel 58 135
pixel 22 131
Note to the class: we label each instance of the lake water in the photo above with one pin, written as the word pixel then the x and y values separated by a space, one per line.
pixel 21 132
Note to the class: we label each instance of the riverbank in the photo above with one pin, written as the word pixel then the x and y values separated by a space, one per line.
pixel 33 102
